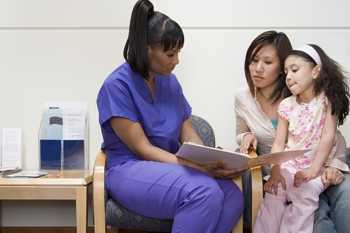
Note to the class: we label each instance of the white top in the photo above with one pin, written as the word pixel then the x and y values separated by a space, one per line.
pixel 251 118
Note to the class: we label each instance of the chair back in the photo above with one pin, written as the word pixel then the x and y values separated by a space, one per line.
pixel 204 130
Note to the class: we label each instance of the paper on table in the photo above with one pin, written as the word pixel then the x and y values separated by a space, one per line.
pixel 233 160
pixel 26 174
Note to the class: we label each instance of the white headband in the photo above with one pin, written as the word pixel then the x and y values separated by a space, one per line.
pixel 309 50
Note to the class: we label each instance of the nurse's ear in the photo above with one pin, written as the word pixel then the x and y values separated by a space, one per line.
pixel 150 51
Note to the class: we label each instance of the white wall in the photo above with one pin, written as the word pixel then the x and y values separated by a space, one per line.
pixel 63 50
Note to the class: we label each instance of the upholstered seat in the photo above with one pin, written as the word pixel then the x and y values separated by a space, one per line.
pixel 109 212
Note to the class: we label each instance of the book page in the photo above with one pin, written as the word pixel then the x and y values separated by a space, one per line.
pixel 276 158
pixel 209 155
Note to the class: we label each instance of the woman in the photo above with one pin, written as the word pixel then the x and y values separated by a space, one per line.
pixel 256 121
pixel 144 116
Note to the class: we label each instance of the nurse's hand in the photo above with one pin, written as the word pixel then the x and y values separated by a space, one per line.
pixel 219 170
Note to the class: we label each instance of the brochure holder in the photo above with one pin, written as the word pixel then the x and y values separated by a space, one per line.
pixel 63 137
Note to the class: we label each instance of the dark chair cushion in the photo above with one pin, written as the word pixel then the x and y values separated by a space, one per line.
pixel 204 130
pixel 118 216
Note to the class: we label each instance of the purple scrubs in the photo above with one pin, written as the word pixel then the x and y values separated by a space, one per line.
pixel 195 201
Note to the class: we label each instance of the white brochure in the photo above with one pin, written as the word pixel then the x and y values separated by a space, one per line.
pixel 11 148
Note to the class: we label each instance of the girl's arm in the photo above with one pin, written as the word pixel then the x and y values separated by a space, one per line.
pixel 188 134
pixel 322 151
pixel 326 142
pixel 281 135
pixel 271 185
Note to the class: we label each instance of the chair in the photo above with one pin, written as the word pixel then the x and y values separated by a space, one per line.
pixel 110 213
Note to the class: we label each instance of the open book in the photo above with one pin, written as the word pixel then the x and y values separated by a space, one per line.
pixel 233 160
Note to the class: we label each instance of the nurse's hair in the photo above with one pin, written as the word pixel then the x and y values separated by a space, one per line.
pixel 149 28
pixel 281 42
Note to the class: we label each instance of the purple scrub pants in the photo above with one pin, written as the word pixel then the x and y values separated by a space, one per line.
pixel 196 202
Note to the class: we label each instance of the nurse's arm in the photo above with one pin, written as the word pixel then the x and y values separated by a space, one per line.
pixel 188 134
pixel 132 134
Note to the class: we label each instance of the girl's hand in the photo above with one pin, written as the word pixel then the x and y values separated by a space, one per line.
pixel 249 140
pixel 271 186
pixel 332 176
pixel 304 176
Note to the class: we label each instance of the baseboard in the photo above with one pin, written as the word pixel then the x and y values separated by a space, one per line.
pixel 42 230
pixel 54 230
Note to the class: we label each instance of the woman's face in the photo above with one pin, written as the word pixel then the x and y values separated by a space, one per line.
pixel 163 62
pixel 265 67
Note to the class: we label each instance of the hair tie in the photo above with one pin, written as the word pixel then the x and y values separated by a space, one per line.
pixel 309 50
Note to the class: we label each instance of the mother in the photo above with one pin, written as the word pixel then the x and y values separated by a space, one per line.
pixel 256 119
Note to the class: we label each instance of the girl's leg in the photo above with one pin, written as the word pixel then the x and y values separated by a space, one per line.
pixel 273 207
pixel 299 215
pixel 270 213
pixel 167 191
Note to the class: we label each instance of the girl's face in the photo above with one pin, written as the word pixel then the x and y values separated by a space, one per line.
pixel 300 76
pixel 163 62
pixel 265 67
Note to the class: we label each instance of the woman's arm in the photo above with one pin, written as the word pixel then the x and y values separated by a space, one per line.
pixel 245 138
pixel 242 129
pixel 188 134
pixel 332 176
pixel 132 134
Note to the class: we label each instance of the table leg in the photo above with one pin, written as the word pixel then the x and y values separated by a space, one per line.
pixel 81 209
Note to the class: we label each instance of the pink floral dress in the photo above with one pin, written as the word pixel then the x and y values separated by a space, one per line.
pixel 306 121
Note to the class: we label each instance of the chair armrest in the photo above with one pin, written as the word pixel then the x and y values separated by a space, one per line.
pixel 257 196
pixel 257 189
pixel 257 192
pixel 99 193
pixel 239 226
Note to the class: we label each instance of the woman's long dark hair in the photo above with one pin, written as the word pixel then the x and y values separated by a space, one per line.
pixel 149 28
pixel 283 46
pixel 332 81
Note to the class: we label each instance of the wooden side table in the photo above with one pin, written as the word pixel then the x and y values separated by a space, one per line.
pixel 57 185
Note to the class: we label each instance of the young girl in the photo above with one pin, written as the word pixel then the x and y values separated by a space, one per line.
pixel 307 120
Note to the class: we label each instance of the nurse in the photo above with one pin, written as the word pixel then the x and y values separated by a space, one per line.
pixel 144 116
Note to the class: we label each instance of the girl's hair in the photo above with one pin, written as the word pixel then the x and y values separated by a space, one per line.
pixel 149 28
pixel 283 46
pixel 331 80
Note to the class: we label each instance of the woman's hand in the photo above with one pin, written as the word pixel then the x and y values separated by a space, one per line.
pixel 332 176
pixel 271 186
pixel 249 140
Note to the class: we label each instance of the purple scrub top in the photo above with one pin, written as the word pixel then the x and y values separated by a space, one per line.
pixel 125 94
